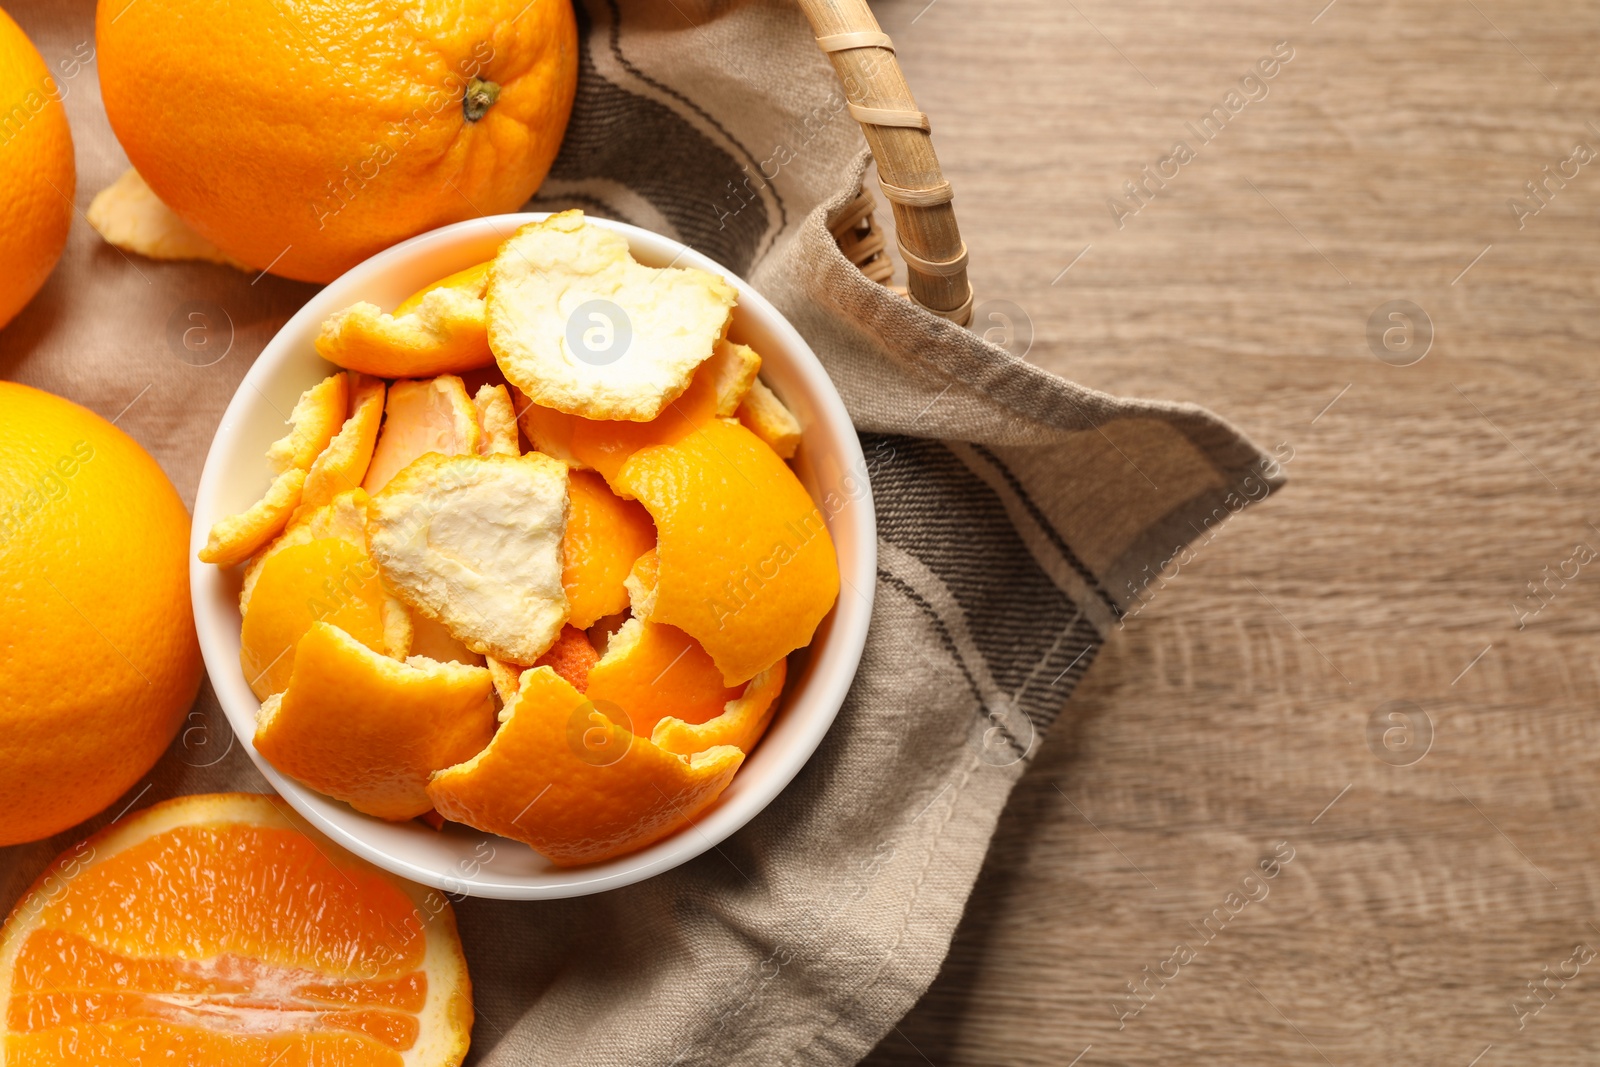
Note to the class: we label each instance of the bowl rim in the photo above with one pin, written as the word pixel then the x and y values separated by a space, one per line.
pixel 846 624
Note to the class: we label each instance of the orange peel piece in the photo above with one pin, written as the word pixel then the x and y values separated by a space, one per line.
pixel 475 543
pixel 605 534
pixel 129 216
pixel 316 418
pixel 473 281
pixel 571 657
pixel 652 671
pixel 497 420
pixel 740 724
pixel 577 325
pixel 641 583
pixel 398 628
pixel 432 639
pixel 593 444
pixel 342 465
pixel 344 516
pixel 236 538
pixel 433 415
pixel 328 579
pixel 562 777
pixel 599 634
pixel 440 330
pixel 369 730
pixel 507 677
pixel 768 419
pixel 746 564
pixel 733 368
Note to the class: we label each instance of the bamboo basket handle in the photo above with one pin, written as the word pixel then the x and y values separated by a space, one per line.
pixel 908 170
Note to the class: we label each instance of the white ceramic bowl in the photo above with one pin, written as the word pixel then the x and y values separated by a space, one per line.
pixel 462 860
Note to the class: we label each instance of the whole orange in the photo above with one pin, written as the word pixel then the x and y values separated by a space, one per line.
pixel 100 659
pixel 36 171
pixel 302 138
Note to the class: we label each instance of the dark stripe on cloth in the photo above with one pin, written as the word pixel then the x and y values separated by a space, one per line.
pixel 932 506
pixel 1050 532
pixel 640 143
pixel 943 630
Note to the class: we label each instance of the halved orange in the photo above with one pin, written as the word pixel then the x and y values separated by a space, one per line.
pixel 605 534
pixel 221 929
pixel 561 776
pixel 747 566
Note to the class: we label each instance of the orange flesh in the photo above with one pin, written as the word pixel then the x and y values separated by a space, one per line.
pixel 275 956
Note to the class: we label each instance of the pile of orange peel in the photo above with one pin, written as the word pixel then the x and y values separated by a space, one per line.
pixel 573 644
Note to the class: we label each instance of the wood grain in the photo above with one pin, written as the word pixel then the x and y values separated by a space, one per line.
pixel 1235 708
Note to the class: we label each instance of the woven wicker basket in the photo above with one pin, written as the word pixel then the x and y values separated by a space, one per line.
pixel 908 170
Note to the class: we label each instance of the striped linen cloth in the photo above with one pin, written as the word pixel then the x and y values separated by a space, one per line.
pixel 1019 516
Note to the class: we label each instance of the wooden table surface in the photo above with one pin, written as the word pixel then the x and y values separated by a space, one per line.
pixel 1358 669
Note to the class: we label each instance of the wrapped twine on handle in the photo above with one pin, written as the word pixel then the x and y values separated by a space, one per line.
pixel 908 169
